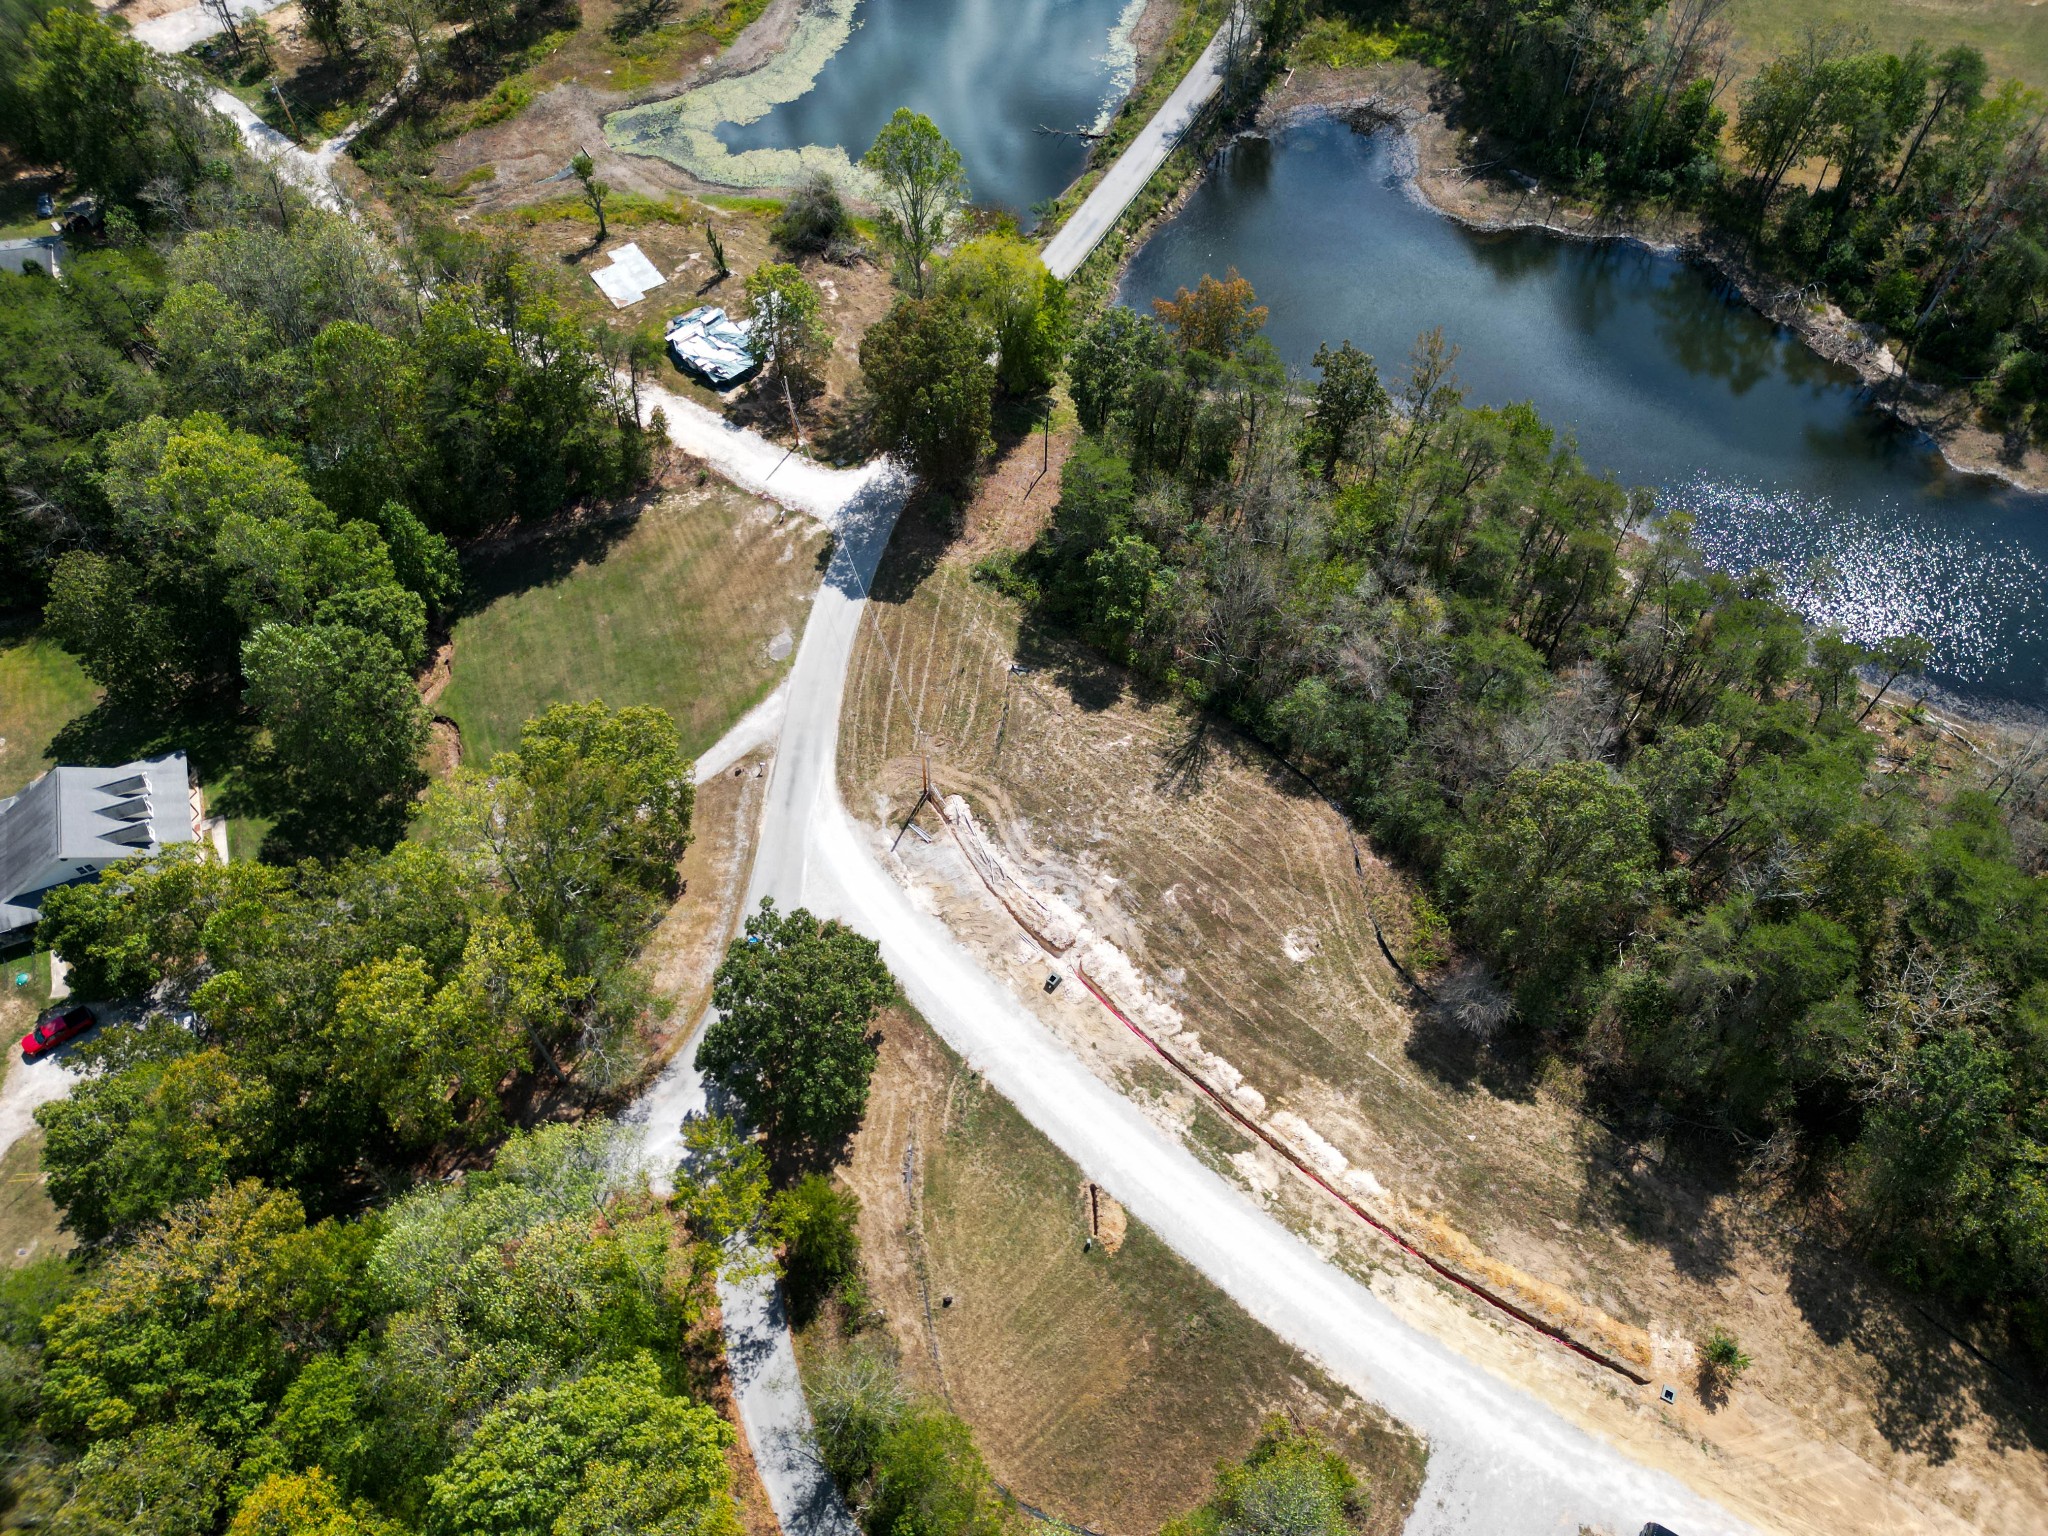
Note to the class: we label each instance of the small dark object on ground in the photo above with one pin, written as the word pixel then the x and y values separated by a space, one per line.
pixel 1052 981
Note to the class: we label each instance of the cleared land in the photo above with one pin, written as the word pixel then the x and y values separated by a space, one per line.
pixel 2013 34
pixel 1103 1386
pixel 1231 889
pixel 671 232
pixel 41 689
pixel 693 605
pixel 685 947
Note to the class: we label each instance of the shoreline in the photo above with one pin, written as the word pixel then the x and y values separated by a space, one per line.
pixel 1403 95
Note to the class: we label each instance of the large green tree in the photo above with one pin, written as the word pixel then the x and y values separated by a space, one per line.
pixel 608 1451
pixel 923 185
pixel 926 368
pixel 580 826
pixel 796 997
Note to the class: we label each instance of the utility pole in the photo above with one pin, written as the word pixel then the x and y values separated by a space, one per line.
pixel 278 91
pixel 1045 452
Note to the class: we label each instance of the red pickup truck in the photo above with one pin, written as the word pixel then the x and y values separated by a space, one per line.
pixel 54 1031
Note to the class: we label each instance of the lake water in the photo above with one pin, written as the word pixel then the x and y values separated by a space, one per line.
pixel 990 73
pixel 1665 377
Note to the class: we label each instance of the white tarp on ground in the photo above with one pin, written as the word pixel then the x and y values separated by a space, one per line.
pixel 628 278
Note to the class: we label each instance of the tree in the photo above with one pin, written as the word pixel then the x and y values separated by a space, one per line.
pixel 926 368
pixel 346 726
pixel 929 1479
pixel 795 997
pixel 1554 868
pixel 107 107
pixel 1217 318
pixel 1004 284
pixel 166 1480
pixel 1898 656
pixel 198 1321
pixel 172 1123
pixel 788 333
pixel 304 1504
pixel 1349 399
pixel 815 1222
pixel 722 1183
pixel 1289 1484
pixel 581 826
pixel 1107 360
pixel 594 191
pixel 922 184
pixel 609 1451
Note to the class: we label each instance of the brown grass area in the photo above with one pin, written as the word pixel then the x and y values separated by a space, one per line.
pixel 685 947
pixel 855 296
pixel 1230 888
pixel 1102 1385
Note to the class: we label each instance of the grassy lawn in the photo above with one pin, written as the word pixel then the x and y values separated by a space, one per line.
pixel 694 606
pixel 1103 1386
pixel 2012 33
pixel 28 1221
pixel 41 688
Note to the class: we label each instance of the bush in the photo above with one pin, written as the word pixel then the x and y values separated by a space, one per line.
pixel 1722 1363
pixel 814 1222
pixel 814 220
pixel 1289 1484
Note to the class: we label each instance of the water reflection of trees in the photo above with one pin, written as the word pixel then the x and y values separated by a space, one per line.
pixel 1712 336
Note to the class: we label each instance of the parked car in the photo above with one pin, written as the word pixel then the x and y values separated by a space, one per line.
pixel 46 205
pixel 54 1031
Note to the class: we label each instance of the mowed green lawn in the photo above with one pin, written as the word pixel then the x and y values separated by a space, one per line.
pixel 695 608
pixel 41 689
pixel 2013 34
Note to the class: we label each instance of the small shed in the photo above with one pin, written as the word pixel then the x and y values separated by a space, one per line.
pixel 706 344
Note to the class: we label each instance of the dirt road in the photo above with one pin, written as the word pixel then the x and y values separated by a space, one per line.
pixel 860 506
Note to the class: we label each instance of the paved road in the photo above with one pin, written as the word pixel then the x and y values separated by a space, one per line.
pixel 1134 167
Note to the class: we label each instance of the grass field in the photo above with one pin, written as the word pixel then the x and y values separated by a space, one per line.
pixel 1103 1386
pixel 2013 34
pixel 1232 892
pixel 41 688
pixel 28 1221
pixel 694 607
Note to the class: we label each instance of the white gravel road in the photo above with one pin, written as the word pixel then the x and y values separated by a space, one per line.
pixel 29 1086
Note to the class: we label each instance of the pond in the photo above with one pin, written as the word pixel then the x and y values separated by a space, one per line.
pixel 990 73
pixel 1666 378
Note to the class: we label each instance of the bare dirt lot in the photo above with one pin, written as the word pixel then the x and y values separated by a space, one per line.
pixel 685 947
pixel 1103 1381
pixel 1230 888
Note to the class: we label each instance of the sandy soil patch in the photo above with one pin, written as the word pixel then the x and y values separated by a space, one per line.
pixel 688 943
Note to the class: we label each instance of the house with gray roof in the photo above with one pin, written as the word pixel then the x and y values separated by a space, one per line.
pixel 73 822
